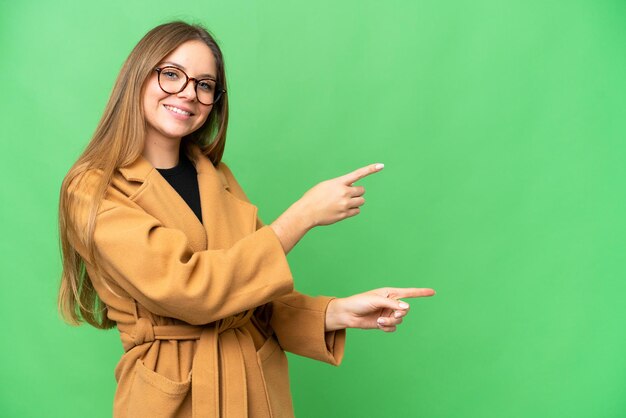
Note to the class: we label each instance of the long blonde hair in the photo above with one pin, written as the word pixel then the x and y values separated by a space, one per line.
pixel 117 142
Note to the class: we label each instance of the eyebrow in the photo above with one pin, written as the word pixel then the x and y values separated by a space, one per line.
pixel 201 76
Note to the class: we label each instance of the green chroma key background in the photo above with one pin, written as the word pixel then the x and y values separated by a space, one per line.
pixel 501 125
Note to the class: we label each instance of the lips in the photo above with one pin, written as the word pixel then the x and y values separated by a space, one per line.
pixel 181 110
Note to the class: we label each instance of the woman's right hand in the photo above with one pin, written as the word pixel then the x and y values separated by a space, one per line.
pixel 326 203
pixel 336 199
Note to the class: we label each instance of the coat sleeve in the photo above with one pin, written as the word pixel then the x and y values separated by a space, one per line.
pixel 157 267
pixel 299 320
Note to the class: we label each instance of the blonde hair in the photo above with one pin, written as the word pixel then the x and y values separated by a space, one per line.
pixel 117 142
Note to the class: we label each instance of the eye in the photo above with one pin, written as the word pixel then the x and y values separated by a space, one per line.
pixel 171 74
pixel 206 85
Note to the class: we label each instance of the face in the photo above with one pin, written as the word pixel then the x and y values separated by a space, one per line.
pixel 172 116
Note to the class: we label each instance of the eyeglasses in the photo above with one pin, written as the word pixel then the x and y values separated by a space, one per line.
pixel 173 80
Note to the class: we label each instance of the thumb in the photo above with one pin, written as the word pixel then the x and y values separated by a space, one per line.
pixel 383 302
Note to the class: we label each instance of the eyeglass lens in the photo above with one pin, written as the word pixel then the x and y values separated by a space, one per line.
pixel 173 80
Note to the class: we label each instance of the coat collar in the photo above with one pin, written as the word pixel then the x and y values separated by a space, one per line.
pixel 139 169
pixel 225 217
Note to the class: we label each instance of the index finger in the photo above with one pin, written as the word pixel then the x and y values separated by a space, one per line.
pixel 359 173
pixel 411 292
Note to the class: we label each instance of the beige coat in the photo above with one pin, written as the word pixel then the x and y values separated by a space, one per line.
pixel 204 311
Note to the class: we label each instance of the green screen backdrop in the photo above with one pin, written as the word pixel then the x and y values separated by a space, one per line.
pixel 501 125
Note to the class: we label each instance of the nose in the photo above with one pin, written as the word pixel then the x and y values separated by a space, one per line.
pixel 189 91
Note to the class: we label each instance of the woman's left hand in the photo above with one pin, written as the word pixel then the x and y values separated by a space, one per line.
pixel 378 308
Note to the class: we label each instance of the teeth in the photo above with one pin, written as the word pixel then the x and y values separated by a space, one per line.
pixel 177 110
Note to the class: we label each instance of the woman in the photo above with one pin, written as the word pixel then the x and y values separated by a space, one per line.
pixel 159 239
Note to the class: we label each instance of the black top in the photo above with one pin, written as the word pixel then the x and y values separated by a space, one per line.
pixel 184 179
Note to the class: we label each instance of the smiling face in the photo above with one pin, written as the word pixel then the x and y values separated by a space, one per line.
pixel 169 117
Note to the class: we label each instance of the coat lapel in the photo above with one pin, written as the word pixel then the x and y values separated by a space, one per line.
pixel 226 218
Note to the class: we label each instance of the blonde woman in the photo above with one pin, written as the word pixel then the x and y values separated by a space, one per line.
pixel 160 241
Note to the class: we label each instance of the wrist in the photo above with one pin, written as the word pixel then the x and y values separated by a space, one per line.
pixel 336 316
pixel 291 226
pixel 301 216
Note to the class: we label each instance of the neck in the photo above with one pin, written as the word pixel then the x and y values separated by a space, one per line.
pixel 161 152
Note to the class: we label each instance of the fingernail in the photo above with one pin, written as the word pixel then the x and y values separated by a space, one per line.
pixel 381 321
pixel 379 166
pixel 397 314
pixel 403 305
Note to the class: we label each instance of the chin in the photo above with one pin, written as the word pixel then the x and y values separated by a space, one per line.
pixel 177 133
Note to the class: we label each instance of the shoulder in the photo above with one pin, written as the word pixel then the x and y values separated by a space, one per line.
pixel 94 187
pixel 77 201
pixel 223 167
pixel 232 183
pixel 225 172
pixel 82 186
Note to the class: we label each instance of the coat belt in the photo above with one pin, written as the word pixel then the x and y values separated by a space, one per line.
pixel 205 371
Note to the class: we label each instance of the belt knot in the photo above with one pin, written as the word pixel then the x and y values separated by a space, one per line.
pixel 234 321
pixel 143 331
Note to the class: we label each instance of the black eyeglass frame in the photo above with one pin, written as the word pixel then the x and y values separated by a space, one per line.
pixel 219 92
